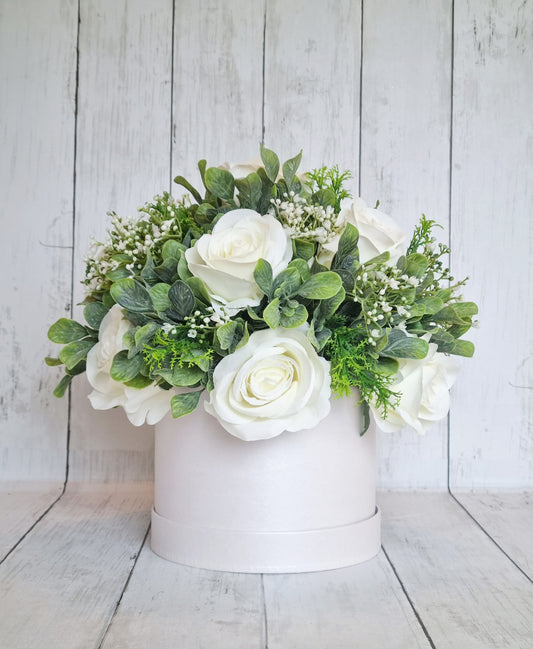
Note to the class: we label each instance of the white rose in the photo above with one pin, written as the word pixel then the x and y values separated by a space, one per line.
pixel 107 392
pixel 149 404
pixel 225 259
pixel 378 233
pixel 424 385
pixel 275 382
pixel 242 169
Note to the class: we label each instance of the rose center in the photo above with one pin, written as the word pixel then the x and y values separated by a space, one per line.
pixel 269 379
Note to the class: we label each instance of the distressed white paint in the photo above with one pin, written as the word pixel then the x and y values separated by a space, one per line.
pixel 21 504
pixel 122 161
pixel 492 240
pixel 60 586
pixel 405 165
pixel 312 61
pixel 37 81
pixel 508 518
pixel 218 84
pixel 341 608
pixel 465 590
pixel 311 100
pixel 168 605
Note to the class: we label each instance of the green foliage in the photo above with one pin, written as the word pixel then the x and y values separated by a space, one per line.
pixel 353 366
pixel 184 404
pixel 330 178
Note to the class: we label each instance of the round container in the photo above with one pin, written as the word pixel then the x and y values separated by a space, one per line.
pixel 299 502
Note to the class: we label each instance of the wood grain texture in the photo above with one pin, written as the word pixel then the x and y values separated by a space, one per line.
pixel 508 518
pixel 167 605
pixel 405 131
pixel 360 606
pixel 465 590
pixel 60 586
pixel 21 504
pixel 123 161
pixel 218 82
pixel 37 81
pixel 492 239
pixel 312 62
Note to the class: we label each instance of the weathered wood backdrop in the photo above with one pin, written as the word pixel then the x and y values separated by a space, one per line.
pixel 102 103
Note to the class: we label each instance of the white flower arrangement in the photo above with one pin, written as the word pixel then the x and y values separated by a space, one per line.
pixel 274 293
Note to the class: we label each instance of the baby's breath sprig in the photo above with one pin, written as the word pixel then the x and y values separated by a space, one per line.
pixel 130 241
pixel 306 221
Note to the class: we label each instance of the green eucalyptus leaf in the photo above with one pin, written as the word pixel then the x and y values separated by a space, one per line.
pixel 94 313
pixel 287 282
pixel 159 295
pixel 400 345
pixel 75 352
pixel 52 362
pixel 148 272
pixel 229 335
pixel 387 366
pixel 289 169
pixel 118 273
pixel 271 314
pixel 303 249
pixel 458 313
pixel 181 299
pixel 200 291
pixel 181 376
pixel 172 248
pixel 327 308
pixel 180 180
pixel 250 190
pixel 66 330
pixel 144 334
pixel 183 269
pixel 167 271
pixel 271 162
pixel 325 197
pixel 62 386
pixel 431 304
pixel 302 268
pixel 263 276
pixel 416 265
pixel 183 404
pixel 139 382
pixel 321 286
pixel 347 246
pixel 294 317
pixel 132 295
pixel 365 411
pixel 220 182
pixel 107 300
pixel 124 368
pixel 79 368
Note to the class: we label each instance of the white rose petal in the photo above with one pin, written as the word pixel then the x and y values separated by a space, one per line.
pixel 378 233
pixel 242 169
pixel 149 404
pixel 424 385
pixel 276 382
pixel 225 259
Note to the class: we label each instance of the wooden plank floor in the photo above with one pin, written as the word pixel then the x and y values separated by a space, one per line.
pixel 453 573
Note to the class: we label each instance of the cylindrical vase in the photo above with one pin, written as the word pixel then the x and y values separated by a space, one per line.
pixel 302 501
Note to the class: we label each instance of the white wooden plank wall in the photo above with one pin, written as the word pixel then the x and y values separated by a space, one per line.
pixel 38 84
pixel 123 160
pixel 491 442
pixel 292 69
